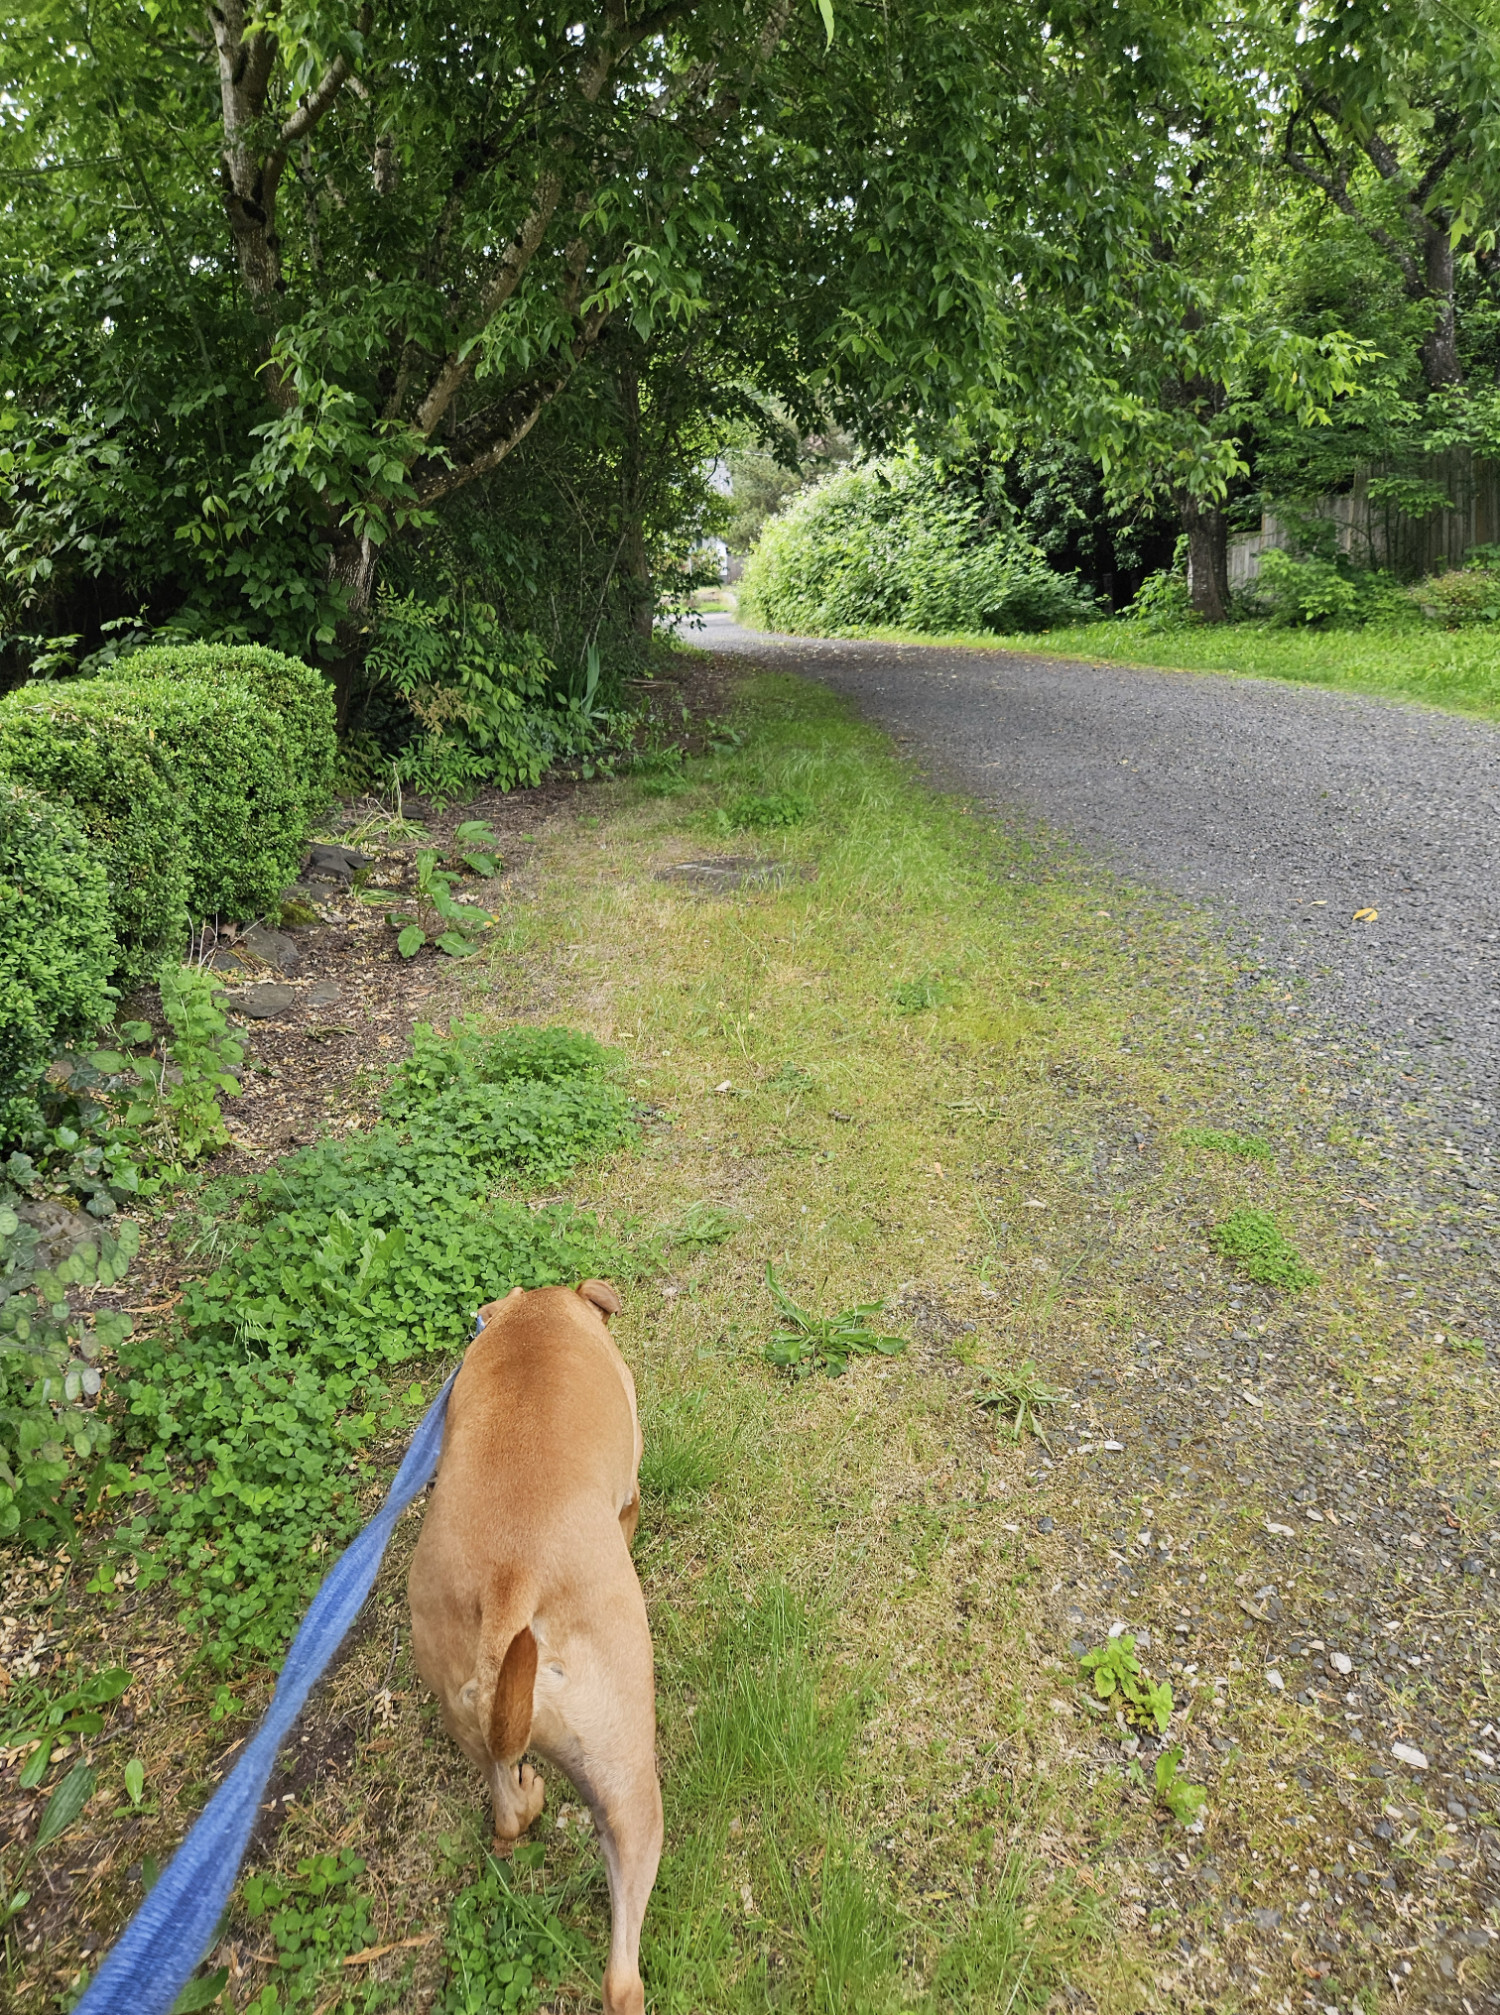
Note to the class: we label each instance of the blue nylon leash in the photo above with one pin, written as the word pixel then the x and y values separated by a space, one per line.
pixel 164 1941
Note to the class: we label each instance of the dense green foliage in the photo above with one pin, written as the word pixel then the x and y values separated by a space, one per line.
pixel 891 544
pixel 48 1367
pixel 240 802
pixel 57 948
pixel 87 748
pixel 349 1261
pixel 299 696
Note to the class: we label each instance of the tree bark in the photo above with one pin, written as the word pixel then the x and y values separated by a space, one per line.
pixel 1440 365
pixel 354 567
pixel 1208 559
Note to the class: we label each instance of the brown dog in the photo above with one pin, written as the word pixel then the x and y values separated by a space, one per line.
pixel 527 1618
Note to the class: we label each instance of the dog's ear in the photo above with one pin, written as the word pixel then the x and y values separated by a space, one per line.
pixel 602 1295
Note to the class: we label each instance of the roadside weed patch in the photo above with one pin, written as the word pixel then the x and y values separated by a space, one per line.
pixel 918 995
pixel 1183 1800
pixel 1257 1245
pixel 808 1343
pixel 1017 1395
pixel 762 812
pixel 1140 1705
pixel 1243 1146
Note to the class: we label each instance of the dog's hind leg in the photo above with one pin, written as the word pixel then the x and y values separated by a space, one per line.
pixel 517 1793
pixel 610 1754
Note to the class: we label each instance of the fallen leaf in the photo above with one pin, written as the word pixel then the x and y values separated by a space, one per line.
pixel 373 1952
pixel 1251 1610
pixel 1366 916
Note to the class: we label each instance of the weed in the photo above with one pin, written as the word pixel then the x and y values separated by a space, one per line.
pixel 826 1343
pixel 175 1116
pixel 682 1458
pixel 1139 1705
pixel 49 1369
pixel 762 812
pixel 700 1226
pixel 433 915
pixel 503 1946
pixel 916 996
pixel 1018 1392
pixel 1183 1800
pixel 313 1918
pixel 476 847
pixel 1244 1146
pixel 1258 1247
pixel 469 1053
pixel 386 821
pixel 36 1719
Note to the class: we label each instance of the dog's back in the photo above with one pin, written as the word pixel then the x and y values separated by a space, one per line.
pixel 527 1618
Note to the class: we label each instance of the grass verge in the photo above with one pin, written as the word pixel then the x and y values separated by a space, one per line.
pixel 1457 670
pixel 902 1063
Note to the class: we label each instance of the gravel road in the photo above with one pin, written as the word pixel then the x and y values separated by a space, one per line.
pixel 1287 807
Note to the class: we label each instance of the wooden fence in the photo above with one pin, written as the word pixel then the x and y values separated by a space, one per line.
pixel 1374 533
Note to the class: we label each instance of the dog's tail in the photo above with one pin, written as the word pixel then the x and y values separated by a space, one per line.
pixel 506 1679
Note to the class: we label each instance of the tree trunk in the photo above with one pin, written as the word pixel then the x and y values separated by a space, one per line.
pixel 1440 365
pixel 1208 559
pixel 355 568
pixel 637 557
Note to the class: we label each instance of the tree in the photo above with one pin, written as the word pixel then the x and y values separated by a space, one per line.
pixel 282 284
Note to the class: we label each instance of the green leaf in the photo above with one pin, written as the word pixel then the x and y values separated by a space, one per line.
pixel 65 1805
pixel 35 1768
pixel 825 8
pixel 135 1780
pixel 456 945
pixel 201 1993
pixel 411 941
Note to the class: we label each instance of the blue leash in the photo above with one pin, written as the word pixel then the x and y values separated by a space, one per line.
pixel 169 1934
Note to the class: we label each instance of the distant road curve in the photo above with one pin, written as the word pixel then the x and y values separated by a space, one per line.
pixel 1290 807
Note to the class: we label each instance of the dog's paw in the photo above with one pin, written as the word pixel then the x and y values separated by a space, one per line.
pixel 533 1794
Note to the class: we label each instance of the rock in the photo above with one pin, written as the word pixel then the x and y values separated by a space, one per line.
pixel 326 863
pixel 1406 1752
pixel 62 1230
pixel 263 1003
pixel 1274 1680
pixel 1341 1663
pixel 327 993
pixel 727 872
pixel 272 948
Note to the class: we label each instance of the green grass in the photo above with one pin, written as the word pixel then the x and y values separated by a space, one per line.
pixel 1458 670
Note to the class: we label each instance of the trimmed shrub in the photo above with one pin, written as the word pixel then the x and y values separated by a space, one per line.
pixel 890 544
pixel 296 692
pixel 57 947
pixel 243 814
pixel 86 748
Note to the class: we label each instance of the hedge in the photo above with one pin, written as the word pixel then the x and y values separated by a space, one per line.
pixel 298 693
pixel 84 746
pixel 239 798
pixel 57 947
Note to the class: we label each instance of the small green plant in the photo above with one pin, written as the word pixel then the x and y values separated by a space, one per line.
pixel 701 1225
pixel 918 995
pixel 476 847
pixel 433 914
pixel 135 1780
pixel 36 1719
pixel 314 1918
pixel 468 1052
pixel 1243 1146
pixel 1017 1394
pixel 1259 1248
pixel 503 1947
pixel 762 812
pixel 174 1116
pixel 1140 1706
pixel 49 1370
pixel 810 1343
pixel 1183 1800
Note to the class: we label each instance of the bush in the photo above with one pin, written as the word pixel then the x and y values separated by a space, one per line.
pixel 1161 603
pixel 57 946
pixel 297 693
pixel 1460 598
pixel 1306 591
pixel 1039 598
pixel 241 807
pixel 889 544
pixel 86 748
